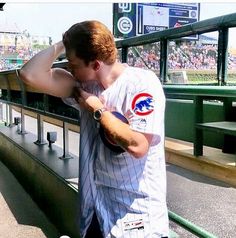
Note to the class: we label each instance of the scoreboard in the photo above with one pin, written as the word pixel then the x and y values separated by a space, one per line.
pixel 133 19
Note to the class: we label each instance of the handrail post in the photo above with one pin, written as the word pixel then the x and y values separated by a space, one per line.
pixel 9 122
pixel 163 60
pixel 40 134
pixel 198 118
pixel 222 56
pixel 22 123
pixel 229 140
pixel 66 154
pixel 124 54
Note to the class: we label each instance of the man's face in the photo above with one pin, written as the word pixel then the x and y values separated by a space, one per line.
pixel 79 69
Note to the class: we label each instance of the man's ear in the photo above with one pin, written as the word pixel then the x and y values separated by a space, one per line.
pixel 96 65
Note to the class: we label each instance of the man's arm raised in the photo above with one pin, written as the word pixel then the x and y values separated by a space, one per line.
pixel 38 73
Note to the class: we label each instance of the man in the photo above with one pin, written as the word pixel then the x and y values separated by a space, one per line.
pixel 124 191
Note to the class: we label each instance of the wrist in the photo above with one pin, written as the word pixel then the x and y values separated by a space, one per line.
pixel 59 48
pixel 97 114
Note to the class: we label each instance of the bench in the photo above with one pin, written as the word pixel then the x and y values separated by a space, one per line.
pixel 199 94
pixel 227 128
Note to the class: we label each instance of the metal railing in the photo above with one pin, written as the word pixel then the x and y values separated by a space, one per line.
pixel 225 94
pixel 220 24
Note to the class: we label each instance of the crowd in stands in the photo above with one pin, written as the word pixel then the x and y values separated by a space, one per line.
pixel 6 65
pixel 147 56
pixel 12 57
pixel 190 55
pixel 184 55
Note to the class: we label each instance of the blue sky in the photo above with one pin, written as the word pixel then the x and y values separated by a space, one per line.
pixel 52 19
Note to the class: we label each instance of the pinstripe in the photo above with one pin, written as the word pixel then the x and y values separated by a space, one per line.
pixel 147 212
pixel 85 169
pixel 117 191
pixel 131 190
pixel 119 98
pixel 116 184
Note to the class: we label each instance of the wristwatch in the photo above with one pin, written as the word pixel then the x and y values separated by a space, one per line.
pixel 97 114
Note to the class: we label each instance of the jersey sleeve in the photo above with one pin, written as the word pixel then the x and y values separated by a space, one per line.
pixel 146 106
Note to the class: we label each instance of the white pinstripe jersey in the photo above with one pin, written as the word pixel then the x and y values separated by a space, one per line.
pixel 128 194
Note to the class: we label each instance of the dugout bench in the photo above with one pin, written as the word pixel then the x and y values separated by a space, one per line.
pixel 227 127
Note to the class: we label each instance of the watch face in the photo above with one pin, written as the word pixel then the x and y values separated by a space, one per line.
pixel 97 114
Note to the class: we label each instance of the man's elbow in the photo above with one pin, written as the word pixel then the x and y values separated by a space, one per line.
pixel 138 152
pixel 25 75
pixel 139 146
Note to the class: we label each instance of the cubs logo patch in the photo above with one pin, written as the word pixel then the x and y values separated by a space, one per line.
pixel 142 104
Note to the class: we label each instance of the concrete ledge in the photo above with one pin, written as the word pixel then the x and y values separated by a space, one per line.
pixel 56 197
pixel 20 216
pixel 201 164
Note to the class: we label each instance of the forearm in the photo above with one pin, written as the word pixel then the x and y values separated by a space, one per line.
pixel 39 74
pixel 133 142
pixel 41 63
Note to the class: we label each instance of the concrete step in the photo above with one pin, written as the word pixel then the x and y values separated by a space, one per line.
pixel 214 163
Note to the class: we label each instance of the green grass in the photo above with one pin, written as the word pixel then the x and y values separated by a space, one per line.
pixel 207 76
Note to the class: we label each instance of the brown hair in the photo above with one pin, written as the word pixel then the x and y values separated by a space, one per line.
pixel 91 40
